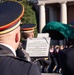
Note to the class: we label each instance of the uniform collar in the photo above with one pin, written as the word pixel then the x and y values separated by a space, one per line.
pixel 9 48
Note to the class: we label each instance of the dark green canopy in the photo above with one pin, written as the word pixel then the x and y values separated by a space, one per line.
pixel 58 30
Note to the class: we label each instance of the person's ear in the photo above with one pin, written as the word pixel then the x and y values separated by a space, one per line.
pixel 17 38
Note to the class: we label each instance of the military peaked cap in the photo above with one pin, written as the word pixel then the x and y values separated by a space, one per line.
pixel 10 14
pixel 28 27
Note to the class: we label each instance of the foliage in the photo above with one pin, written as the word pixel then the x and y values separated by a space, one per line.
pixel 29 16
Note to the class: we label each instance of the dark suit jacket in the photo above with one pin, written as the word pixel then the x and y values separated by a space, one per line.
pixel 13 66
pixel 66 58
pixel 24 42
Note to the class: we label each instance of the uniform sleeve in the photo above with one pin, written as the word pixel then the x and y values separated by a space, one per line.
pixel 34 70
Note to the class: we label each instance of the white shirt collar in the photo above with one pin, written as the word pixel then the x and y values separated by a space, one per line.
pixel 9 48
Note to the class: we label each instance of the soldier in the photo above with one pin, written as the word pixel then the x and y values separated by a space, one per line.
pixel 27 31
pixel 11 13
pixel 66 58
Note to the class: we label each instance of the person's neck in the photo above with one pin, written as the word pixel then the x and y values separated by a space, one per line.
pixel 8 43
pixel 10 47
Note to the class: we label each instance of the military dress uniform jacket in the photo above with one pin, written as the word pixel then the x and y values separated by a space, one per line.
pixel 10 65
pixel 66 58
